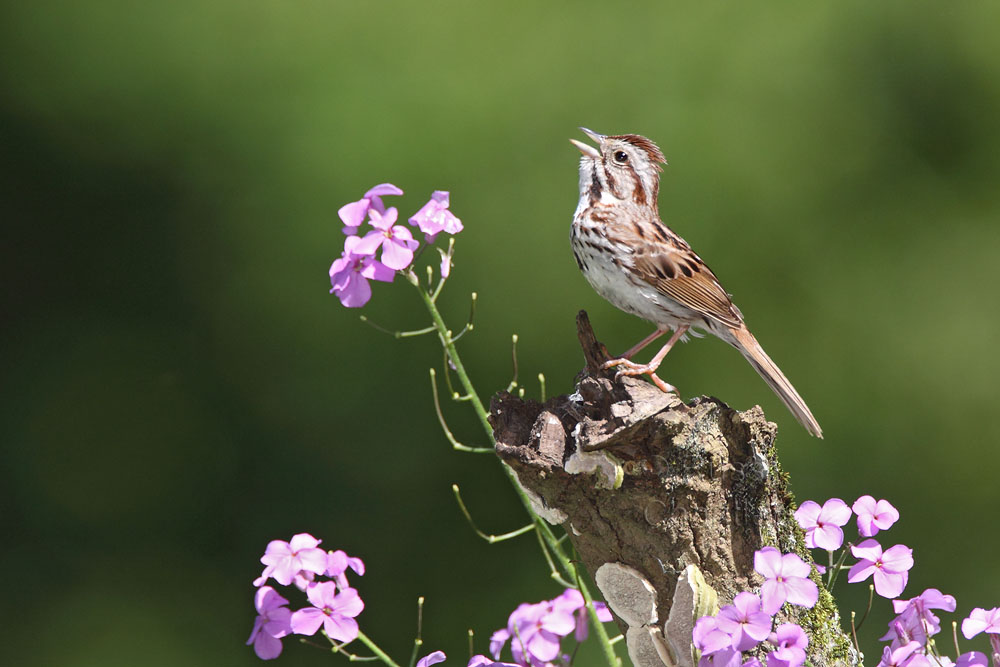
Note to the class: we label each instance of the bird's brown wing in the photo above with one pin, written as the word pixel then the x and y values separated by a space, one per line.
pixel 680 274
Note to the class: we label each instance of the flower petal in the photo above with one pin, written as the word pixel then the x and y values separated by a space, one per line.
pixel 369 244
pixel 829 537
pixel 307 621
pixel 767 562
pixel 431 659
pixel 383 189
pixel 353 214
pixel 835 511
pixel 889 584
pixel 802 592
pixel 341 628
pixel 807 513
pixel 356 293
pixel 867 550
pixel 348 603
pixel 267 647
pixel 772 596
pixel 898 558
pixel 396 255
pixel 860 571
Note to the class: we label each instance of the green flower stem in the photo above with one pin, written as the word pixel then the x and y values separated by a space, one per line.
pixel 568 566
pixel 379 653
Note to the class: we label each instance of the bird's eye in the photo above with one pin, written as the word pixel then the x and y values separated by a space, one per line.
pixel 621 157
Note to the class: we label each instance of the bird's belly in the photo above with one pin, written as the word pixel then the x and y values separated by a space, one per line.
pixel 628 293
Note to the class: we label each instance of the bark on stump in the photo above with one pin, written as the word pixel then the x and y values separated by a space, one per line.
pixel 646 486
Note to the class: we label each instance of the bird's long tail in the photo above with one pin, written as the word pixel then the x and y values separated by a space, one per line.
pixel 754 353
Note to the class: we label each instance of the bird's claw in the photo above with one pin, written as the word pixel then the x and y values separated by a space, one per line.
pixel 632 369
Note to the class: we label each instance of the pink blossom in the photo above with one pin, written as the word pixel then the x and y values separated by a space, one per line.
pixel 874 516
pixel 822 524
pixel 434 217
pixel 334 611
pixel 904 656
pixel 431 659
pixel 890 568
pixel 981 620
pixel 284 560
pixel 271 624
pixel 915 621
pixel 396 241
pixel 744 621
pixel 337 564
pixel 786 579
pixel 350 274
pixel 483 661
pixel 571 600
pixel 972 659
pixel 354 214
pixel 708 637
pixel 535 630
pixel 791 641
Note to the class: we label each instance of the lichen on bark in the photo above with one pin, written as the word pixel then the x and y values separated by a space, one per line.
pixel 641 479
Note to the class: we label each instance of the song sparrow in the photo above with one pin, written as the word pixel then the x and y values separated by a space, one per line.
pixel 637 263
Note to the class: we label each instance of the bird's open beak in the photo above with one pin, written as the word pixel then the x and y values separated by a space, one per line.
pixel 587 150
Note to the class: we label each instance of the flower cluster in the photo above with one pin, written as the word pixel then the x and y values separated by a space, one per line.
pixel 982 620
pixel 394 244
pixel 535 630
pixel 333 604
pixel 475 661
pixel 889 568
pixel 747 622
pixel 911 632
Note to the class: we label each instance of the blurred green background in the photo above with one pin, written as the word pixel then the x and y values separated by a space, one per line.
pixel 179 387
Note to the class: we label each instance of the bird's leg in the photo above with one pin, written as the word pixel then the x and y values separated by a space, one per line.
pixel 643 343
pixel 633 369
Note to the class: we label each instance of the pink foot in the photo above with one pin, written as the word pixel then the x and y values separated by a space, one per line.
pixel 632 369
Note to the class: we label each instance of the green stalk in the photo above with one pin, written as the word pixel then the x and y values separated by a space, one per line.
pixel 379 653
pixel 567 565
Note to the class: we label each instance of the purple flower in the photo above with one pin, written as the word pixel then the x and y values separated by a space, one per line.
pixel 284 560
pixel 915 621
pixel 891 568
pixel 744 621
pixel 791 641
pixel 972 659
pixel 334 611
pixel 571 600
pixel 752 662
pixel 396 241
pixel 353 214
pixel 445 263
pixel 904 656
pixel 715 645
pixel 981 620
pixel 535 630
pixel 906 628
pixel 434 217
pixel 708 637
pixel 350 274
pixel 497 641
pixel 431 659
pixel 874 516
pixel 786 579
pixel 483 661
pixel 271 624
pixel 337 564
pixel 822 524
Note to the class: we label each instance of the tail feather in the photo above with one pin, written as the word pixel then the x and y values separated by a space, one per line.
pixel 754 353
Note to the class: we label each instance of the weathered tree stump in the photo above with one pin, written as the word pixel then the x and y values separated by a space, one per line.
pixel 646 486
